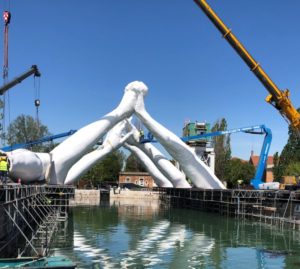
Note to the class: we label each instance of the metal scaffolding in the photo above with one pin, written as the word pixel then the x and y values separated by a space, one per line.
pixel 35 212
pixel 278 207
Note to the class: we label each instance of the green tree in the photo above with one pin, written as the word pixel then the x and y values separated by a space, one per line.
pixel 222 149
pixel 290 153
pixel 107 169
pixel 293 169
pixel 277 169
pixel 133 164
pixel 24 129
pixel 239 171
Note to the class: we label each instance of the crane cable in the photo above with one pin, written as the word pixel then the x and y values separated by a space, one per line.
pixel 6 18
pixel 37 101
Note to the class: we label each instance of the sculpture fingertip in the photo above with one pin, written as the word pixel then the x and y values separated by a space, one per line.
pixel 137 86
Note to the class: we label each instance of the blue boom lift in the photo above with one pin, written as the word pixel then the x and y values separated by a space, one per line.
pixel 257 129
pixel 38 141
pixel 263 158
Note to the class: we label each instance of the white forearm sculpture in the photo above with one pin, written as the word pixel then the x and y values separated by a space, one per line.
pixel 158 177
pixel 194 168
pixel 114 139
pixel 69 160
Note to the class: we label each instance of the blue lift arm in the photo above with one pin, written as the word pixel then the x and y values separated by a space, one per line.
pixel 38 141
pixel 263 158
pixel 257 129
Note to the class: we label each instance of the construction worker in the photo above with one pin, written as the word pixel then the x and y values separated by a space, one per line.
pixel 141 135
pixel 4 166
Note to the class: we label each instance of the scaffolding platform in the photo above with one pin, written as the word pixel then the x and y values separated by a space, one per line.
pixel 278 207
pixel 31 214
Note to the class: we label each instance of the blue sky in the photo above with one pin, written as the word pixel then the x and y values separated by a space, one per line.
pixel 87 52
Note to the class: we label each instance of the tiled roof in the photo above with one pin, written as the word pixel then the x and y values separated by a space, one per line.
pixel 254 160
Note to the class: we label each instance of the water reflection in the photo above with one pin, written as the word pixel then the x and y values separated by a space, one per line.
pixel 126 234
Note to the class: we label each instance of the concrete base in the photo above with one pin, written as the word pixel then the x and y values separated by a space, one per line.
pixel 86 197
pixel 142 195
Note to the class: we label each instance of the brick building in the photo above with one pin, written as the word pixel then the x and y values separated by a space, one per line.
pixel 139 178
pixel 268 174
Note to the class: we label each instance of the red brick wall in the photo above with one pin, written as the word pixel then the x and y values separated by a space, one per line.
pixel 142 179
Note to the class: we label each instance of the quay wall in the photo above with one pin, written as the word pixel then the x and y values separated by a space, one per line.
pixel 93 197
pixel 85 197
pixel 130 194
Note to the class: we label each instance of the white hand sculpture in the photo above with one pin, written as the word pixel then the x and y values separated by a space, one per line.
pixel 72 158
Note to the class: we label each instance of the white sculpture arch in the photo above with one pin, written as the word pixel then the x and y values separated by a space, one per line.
pixel 73 157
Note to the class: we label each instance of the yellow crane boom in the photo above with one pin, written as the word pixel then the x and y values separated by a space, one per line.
pixel 279 99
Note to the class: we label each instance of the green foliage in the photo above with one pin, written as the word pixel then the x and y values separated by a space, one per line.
pixel 293 169
pixel 106 170
pixel 222 149
pixel 290 153
pixel 24 129
pixel 230 170
pixel 277 169
pixel 134 165
pixel 239 171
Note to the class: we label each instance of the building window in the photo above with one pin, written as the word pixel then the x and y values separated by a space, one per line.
pixel 141 181
pixel 127 180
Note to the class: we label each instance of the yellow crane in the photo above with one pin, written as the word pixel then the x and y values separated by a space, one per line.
pixel 277 98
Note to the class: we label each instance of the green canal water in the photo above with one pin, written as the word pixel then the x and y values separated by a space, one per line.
pixel 130 234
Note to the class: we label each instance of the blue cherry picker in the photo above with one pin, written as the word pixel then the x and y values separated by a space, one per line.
pixel 263 158
pixel 257 129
